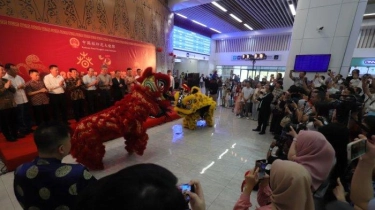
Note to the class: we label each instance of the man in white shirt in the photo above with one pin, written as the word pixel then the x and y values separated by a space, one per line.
pixel 318 81
pixel 355 82
pixel 105 83
pixel 55 85
pixel 139 73
pixel 23 115
pixel 201 81
pixel 91 82
pixel 171 87
pixel 247 93
pixel 298 81
pixel 129 79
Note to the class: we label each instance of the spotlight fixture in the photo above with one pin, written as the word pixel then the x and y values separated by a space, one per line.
pixel 183 16
pixel 198 23
pixel 219 6
pixel 256 56
pixel 292 8
pixel 236 18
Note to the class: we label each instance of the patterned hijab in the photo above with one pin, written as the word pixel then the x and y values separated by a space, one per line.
pixel 290 183
pixel 316 154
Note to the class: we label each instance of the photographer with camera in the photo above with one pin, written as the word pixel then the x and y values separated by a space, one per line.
pixel 287 180
pixel 318 80
pixel 298 81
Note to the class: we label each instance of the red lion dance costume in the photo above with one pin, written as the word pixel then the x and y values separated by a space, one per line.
pixel 125 118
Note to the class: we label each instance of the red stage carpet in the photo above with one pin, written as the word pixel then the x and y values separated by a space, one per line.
pixel 23 150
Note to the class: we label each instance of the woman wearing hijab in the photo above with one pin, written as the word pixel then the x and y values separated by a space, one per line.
pixel 290 183
pixel 312 150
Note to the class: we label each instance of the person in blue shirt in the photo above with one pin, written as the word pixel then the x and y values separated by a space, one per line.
pixel 46 182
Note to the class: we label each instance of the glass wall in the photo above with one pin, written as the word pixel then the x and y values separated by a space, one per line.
pixel 245 72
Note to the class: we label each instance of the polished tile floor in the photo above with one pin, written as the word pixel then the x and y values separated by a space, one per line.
pixel 217 156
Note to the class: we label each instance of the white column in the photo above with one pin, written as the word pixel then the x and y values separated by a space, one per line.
pixel 341 21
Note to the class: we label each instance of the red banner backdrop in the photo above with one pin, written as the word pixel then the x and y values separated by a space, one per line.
pixel 33 45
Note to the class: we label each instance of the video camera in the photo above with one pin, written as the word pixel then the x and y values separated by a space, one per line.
pixel 320 118
pixel 344 105
pixel 296 127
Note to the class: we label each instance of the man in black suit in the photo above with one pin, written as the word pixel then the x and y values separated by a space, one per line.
pixel 118 86
pixel 264 110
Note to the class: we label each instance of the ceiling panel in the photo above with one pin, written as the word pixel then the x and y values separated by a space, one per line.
pixel 258 14
pixel 202 15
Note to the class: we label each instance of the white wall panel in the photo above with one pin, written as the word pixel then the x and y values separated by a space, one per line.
pixel 323 3
pixel 326 17
pixel 316 46
pixel 344 25
pixel 300 23
pixel 338 46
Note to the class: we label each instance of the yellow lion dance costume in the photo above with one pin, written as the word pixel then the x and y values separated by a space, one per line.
pixel 192 105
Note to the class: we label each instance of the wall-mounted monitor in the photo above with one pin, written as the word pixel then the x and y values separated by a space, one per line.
pixel 191 42
pixel 312 63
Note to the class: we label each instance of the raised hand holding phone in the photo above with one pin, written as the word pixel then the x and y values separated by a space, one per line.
pixel 357 148
pixel 370 148
pixel 197 201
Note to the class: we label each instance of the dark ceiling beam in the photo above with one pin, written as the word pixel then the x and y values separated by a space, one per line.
pixel 270 9
pixel 284 8
pixel 262 14
pixel 255 13
pixel 189 25
pixel 238 10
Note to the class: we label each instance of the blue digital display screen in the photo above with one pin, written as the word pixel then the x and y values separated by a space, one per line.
pixel 312 63
pixel 189 41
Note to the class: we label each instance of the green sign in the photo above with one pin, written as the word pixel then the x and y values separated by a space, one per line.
pixel 363 62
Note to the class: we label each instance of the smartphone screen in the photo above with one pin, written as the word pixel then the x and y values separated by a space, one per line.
pixel 261 165
pixel 356 149
pixel 186 187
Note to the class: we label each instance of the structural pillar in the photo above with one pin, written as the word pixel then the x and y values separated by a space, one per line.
pixel 326 27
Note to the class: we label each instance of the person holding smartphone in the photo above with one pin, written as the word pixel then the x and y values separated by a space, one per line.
pixel 142 187
pixel 290 183
pixel 362 192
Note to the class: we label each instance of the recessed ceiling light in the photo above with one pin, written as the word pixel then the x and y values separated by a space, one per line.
pixel 247 26
pixel 219 6
pixel 369 14
pixel 292 8
pixel 183 16
pixel 216 30
pixel 235 17
pixel 198 23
